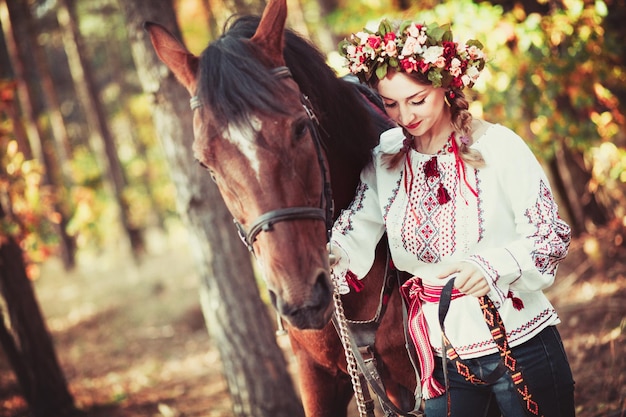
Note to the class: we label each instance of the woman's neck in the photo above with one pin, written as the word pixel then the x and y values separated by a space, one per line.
pixel 436 138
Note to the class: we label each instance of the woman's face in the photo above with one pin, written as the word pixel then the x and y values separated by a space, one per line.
pixel 417 107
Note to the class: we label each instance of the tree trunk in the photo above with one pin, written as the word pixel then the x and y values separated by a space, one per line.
pixel 236 318
pixel 26 341
pixel 23 55
pixel 87 91
pixel 214 30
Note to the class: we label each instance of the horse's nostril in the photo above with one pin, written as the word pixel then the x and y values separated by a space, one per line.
pixel 322 291
pixel 312 312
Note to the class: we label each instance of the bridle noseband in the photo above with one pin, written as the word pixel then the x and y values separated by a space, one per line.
pixel 324 212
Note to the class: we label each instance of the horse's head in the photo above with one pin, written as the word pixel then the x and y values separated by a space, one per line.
pixel 256 136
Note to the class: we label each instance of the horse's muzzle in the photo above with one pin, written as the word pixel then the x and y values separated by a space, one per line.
pixel 314 312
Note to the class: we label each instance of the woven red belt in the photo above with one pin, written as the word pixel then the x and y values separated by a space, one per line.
pixel 415 293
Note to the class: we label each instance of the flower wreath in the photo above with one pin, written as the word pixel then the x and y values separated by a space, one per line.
pixel 426 49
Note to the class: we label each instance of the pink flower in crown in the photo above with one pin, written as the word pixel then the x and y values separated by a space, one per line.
pixel 455 67
pixel 423 66
pixel 390 37
pixel 374 42
pixel 408 65
pixel 475 53
pixel 390 48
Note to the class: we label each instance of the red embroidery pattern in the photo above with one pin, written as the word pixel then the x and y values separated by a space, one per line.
pixel 344 223
pixel 552 235
pixel 428 229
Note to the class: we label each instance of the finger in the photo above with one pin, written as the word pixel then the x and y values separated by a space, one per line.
pixel 479 288
pixel 462 281
pixel 446 272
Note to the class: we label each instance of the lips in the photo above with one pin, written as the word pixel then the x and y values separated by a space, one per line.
pixel 413 126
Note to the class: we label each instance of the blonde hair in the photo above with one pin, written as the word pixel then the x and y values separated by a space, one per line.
pixel 462 122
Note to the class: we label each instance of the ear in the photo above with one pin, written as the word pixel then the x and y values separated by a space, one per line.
pixel 174 54
pixel 269 36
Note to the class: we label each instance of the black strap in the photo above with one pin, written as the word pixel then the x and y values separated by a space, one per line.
pixel 444 306
pixel 507 361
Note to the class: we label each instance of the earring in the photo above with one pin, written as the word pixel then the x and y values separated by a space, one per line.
pixel 448 96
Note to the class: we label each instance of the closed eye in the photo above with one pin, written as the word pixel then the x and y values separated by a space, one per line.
pixel 205 166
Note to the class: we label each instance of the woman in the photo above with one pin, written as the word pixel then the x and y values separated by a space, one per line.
pixel 465 200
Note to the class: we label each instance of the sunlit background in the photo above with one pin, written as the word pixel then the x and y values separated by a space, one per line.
pixel 85 188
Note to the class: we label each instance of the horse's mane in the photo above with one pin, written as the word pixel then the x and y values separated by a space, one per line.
pixel 234 83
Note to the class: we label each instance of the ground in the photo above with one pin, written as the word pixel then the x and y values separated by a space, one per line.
pixel 132 341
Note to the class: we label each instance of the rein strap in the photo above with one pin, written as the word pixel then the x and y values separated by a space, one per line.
pixel 507 361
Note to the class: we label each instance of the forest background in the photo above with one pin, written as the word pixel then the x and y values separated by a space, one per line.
pixel 88 201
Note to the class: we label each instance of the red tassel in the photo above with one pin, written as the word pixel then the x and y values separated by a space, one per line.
pixel 430 168
pixel 354 282
pixel 518 304
pixel 442 195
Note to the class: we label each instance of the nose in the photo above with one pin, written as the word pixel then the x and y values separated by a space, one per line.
pixel 405 116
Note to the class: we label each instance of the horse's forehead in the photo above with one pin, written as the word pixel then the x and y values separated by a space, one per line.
pixel 243 137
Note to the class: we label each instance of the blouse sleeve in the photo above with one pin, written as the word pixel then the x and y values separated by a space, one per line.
pixel 529 262
pixel 356 233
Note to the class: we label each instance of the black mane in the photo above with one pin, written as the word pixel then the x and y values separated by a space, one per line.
pixel 234 83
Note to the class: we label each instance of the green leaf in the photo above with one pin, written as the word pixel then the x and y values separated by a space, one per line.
pixel 474 42
pixel 435 78
pixel 381 71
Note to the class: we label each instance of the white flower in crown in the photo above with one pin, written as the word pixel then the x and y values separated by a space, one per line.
pixel 470 76
pixel 432 54
pixel 411 46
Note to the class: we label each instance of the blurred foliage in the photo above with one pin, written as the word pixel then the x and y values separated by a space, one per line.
pixel 555 78
pixel 27 208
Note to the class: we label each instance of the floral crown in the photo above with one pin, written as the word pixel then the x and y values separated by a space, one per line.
pixel 425 49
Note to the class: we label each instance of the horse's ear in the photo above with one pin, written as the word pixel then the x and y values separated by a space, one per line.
pixel 174 54
pixel 269 36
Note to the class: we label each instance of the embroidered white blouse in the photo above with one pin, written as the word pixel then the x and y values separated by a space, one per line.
pixel 511 230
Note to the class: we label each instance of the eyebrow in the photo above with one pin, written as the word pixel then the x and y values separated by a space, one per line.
pixel 406 98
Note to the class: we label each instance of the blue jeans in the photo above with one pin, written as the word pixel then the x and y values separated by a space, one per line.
pixel 545 369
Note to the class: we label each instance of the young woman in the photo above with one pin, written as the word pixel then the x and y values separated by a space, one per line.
pixel 466 201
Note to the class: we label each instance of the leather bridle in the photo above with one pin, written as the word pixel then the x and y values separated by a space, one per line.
pixel 266 221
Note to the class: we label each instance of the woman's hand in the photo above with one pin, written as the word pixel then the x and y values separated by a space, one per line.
pixel 334 255
pixel 469 280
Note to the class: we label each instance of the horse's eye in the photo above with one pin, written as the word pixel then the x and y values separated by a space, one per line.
pixel 300 129
pixel 205 166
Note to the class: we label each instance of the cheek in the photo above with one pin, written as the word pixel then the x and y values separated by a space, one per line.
pixel 392 112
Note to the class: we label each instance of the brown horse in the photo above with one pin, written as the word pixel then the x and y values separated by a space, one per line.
pixel 258 93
